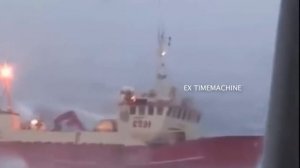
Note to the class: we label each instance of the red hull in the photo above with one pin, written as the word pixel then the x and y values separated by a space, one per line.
pixel 218 152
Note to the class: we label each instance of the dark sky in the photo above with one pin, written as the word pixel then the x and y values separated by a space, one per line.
pixel 76 54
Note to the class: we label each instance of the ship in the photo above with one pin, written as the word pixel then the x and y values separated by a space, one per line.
pixel 158 128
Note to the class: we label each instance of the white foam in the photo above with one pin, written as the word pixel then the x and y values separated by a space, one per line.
pixel 12 162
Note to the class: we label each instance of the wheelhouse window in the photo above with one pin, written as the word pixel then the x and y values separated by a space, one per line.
pixel 150 110
pixel 179 111
pixel 169 113
pixel 132 110
pixel 174 111
pixel 142 110
pixel 160 110
pixel 191 116
pixel 188 115
pixel 183 116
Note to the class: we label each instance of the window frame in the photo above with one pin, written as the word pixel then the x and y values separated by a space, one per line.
pixel 160 110
pixel 151 110
pixel 132 110
pixel 141 110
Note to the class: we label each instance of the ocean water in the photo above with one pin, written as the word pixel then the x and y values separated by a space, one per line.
pixel 17 162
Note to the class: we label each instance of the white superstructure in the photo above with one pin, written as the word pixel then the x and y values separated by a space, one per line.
pixel 155 117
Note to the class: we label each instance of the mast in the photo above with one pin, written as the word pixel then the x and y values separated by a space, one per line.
pixel 163 88
pixel 164 44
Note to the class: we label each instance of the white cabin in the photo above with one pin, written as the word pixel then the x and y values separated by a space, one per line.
pixel 153 120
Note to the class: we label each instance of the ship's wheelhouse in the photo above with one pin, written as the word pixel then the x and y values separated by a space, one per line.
pixel 155 120
pixel 168 111
pixel 147 110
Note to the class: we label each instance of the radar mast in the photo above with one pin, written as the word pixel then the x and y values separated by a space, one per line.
pixel 163 88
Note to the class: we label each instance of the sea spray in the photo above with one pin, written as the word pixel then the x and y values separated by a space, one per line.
pixel 48 113
pixel 12 162
pixel 25 111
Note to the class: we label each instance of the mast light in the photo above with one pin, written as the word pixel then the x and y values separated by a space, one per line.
pixel 6 71
pixel 34 122
pixel 163 53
